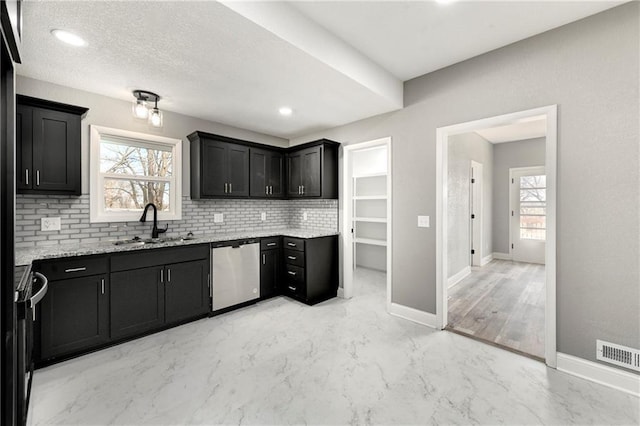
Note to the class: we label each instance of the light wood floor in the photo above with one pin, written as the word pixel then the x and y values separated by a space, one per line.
pixel 502 302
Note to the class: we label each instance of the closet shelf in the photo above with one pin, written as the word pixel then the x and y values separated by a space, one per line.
pixel 370 241
pixel 370 219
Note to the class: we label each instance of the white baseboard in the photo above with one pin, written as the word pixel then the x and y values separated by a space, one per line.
pixel 411 314
pixel 595 372
pixel 501 256
pixel 455 279
pixel 341 292
pixel 486 259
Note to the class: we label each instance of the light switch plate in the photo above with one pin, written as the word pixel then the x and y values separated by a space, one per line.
pixel 263 216
pixel 423 221
pixel 50 224
pixel 218 218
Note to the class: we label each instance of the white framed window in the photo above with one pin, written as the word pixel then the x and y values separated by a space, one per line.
pixel 129 170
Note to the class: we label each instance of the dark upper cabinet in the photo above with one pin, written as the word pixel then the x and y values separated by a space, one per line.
pixel 223 167
pixel 312 170
pixel 219 169
pixel 266 170
pixel 47 147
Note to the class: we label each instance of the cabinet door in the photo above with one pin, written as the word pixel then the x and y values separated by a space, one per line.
pixel 294 174
pixel 137 301
pixel 56 151
pixel 24 147
pixel 275 178
pixel 74 315
pixel 213 168
pixel 238 170
pixel 258 172
pixel 270 273
pixel 311 171
pixel 186 290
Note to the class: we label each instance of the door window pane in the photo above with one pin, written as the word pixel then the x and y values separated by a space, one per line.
pixel 533 207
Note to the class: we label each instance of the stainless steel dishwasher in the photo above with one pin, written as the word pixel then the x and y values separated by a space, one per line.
pixel 235 273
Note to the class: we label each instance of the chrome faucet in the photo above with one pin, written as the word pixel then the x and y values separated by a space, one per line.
pixel 155 231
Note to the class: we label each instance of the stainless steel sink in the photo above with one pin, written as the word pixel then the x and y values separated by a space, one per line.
pixel 142 241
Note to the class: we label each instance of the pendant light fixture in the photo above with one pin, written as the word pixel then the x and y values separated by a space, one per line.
pixel 142 107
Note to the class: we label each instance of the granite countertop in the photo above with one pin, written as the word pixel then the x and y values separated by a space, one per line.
pixel 26 255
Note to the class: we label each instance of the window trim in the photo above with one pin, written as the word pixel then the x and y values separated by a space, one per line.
pixel 96 179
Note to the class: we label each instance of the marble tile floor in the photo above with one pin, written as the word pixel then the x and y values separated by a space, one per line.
pixel 339 362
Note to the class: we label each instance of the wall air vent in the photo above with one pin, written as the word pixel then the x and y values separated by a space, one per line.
pixel 618 355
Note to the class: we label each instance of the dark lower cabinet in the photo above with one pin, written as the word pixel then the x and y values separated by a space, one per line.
pixel 186 290
pixel 310 268
pixel 137 301
pixel 74 315
pixel 270 267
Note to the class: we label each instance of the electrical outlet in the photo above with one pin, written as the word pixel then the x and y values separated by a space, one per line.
pixel 304 216
pixel 423 221
pixel 263 216
pixel 218 218
pixel 50 224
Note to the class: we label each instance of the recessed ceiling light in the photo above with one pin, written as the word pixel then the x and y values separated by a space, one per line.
pixel 69 38
pixel 286 111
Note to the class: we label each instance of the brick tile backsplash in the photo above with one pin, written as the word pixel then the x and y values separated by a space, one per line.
pixel 197 217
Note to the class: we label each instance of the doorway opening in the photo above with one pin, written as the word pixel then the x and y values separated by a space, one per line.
pixel 482 290
pixel 366 219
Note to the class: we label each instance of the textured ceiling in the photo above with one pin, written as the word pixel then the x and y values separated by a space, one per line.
pixel 412 38
pixel 332 62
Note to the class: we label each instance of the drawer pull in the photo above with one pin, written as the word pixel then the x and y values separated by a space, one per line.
pixel 292 288
pixel 291 244
pixel 292 257
pixel 271 244
pixel 291 273
pixel 83 268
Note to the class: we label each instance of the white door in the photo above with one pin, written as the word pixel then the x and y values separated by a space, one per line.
pixel 476 213
pixel 528 214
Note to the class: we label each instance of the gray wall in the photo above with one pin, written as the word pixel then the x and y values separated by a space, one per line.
pixel 590 70
pixel 505 156
pixel 461 150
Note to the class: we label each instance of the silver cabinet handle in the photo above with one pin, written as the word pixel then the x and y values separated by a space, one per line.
pixel 264 259
pixel 226 187
pixel 292 257
pixel 168 275
pixel 292 288
pixel 26 174
pixel 299 189
pixel 266 189
pixel 37 177
pixel 83 268
pixel 302 189
pixel 161 275
pixel 291 244
pixel 271 244
pixel 270 189
pixel 291 273
pixel 102 285
pixel 230 188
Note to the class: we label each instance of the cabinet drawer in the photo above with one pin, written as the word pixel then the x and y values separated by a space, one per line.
pixel 270 243
pixel 293 274
pixel 294 243
pixel 293 257
pixel 72 267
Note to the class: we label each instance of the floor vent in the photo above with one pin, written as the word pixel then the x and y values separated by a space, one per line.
pixel 618 355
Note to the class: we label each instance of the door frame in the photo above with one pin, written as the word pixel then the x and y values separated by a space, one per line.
pixel 477 226
pixel 512 201
pixel 550 112
pixel 346 291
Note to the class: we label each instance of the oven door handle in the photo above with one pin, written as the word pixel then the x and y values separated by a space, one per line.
pixel 40 294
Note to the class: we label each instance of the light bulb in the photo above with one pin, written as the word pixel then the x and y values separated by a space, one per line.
pixel 140 109
pixel 155 118
pixel 286 111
